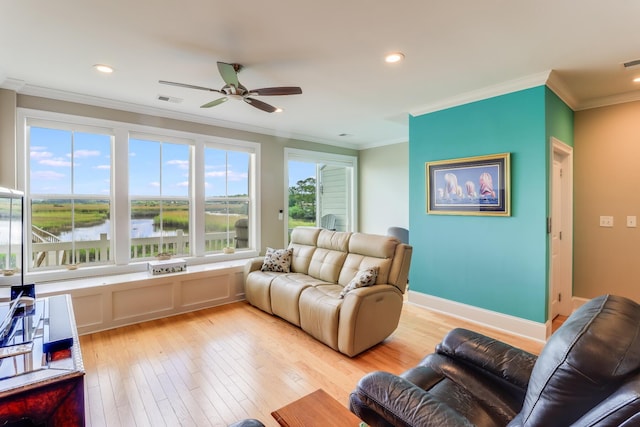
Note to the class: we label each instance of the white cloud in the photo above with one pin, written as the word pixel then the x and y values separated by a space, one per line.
pixel 47 175
pixel 132 154
pixel 103 167
pixel 55 162
pixel 231 175
pixel 35 154
pixel 154 184
pixel 182 164
pixel 234 176
pixel 86 153
pixel 183 184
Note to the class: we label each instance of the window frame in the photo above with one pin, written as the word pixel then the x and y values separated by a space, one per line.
pixel 316 157
pixel 120 197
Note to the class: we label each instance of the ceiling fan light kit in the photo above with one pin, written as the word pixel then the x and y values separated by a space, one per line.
pixel 234 89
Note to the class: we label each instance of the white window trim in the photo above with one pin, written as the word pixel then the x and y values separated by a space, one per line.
pixel 297 154
pixel 121 208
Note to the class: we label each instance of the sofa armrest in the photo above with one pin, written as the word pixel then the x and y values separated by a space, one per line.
pixel 400 403
pixel 496 357
pixel 253 264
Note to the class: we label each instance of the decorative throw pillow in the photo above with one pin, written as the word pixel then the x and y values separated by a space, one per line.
pixel 366 277
pixel 278 260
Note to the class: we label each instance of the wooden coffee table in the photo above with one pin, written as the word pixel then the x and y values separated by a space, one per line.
pixel 315 409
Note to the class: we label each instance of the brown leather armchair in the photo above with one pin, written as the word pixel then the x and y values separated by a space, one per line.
pixel 588 374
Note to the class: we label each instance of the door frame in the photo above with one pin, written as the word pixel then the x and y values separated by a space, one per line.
pixel 566 152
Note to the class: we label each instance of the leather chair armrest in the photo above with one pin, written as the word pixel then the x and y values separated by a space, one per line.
pixel 253 264
pixel 401 403
pixel 496 357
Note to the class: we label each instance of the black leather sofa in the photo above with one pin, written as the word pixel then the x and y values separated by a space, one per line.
pixel 588 374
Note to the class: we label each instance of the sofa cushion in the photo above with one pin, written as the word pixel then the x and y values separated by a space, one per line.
pixel 285 295
pixel 334 240
pixel 373 245
pixel 303 242
pixel 277 260
pixel 320 313
pixel 369 250
pixel 366 277
pixel 355 263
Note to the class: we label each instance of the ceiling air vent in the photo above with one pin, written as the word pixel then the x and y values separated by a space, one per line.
pixel 170 99
pixel 632 64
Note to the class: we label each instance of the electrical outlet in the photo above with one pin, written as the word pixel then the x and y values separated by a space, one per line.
pixel 606 221
pixel 631 221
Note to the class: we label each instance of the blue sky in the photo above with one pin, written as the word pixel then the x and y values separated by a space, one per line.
pixel 51 162
pixel 299 171
pixel 53 153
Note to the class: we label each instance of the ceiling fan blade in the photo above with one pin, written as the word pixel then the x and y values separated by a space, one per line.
pixel 228 73
pixel 214 103
pixel 260 105
pixel 164 82
pixel 284 90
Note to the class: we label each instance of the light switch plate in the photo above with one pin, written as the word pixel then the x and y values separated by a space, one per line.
pixel 606 221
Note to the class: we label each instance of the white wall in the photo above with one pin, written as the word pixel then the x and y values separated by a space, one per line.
pixel 384 188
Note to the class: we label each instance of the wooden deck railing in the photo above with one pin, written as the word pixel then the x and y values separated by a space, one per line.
pixel 46 253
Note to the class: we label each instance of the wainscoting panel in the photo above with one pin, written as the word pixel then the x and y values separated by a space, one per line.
pixel 146 299
pixel 88 310
pixel 206 290
pixel 113 301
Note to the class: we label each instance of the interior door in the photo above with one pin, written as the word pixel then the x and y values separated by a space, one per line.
pixel 561 251
pixel 555 295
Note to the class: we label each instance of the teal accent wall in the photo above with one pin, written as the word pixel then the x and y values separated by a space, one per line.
pixel 559 118
pixel 495 263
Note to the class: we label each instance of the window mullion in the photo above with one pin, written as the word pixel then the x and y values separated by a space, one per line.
pixel 120 190
pixel 197 177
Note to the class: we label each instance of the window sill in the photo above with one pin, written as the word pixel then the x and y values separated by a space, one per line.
pixel 101 303
pixel 66 281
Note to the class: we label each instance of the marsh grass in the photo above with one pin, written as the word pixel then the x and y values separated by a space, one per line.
pixel 56 217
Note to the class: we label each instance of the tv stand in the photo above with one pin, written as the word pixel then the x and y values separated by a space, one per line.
pixel 44 385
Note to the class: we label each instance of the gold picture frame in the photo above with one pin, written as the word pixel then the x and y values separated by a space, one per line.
pixel 470 186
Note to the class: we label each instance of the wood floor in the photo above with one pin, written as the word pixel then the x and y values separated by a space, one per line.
pixel 220 365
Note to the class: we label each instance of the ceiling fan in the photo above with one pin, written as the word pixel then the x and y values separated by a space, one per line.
pixel 234 89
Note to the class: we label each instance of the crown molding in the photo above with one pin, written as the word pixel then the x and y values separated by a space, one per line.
pixel 25 89
pixel 11 84
pixel 510 86
pixel 606 101
pixel 559 87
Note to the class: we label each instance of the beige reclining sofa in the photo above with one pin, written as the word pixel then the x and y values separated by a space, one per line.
pixel 323 263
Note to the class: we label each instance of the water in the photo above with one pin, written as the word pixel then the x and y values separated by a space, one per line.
pixel 139 228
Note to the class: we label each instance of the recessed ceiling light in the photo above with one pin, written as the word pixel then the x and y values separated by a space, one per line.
pixel 278 110
pixel 636 80
pixel 394 57
pixel 103 68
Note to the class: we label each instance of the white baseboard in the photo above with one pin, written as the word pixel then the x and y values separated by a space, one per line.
pixel 503 322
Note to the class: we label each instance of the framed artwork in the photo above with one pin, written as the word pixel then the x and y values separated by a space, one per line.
pixel 469 186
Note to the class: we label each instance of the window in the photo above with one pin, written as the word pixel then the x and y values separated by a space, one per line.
pixel 159 193
pixel 113 195
pixel 226 199
pixel 69 196
pixel 321 190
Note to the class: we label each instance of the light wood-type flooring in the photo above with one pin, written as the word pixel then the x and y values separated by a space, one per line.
pixel 220 365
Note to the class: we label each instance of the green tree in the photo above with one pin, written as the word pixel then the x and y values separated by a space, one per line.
pixel 302 199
